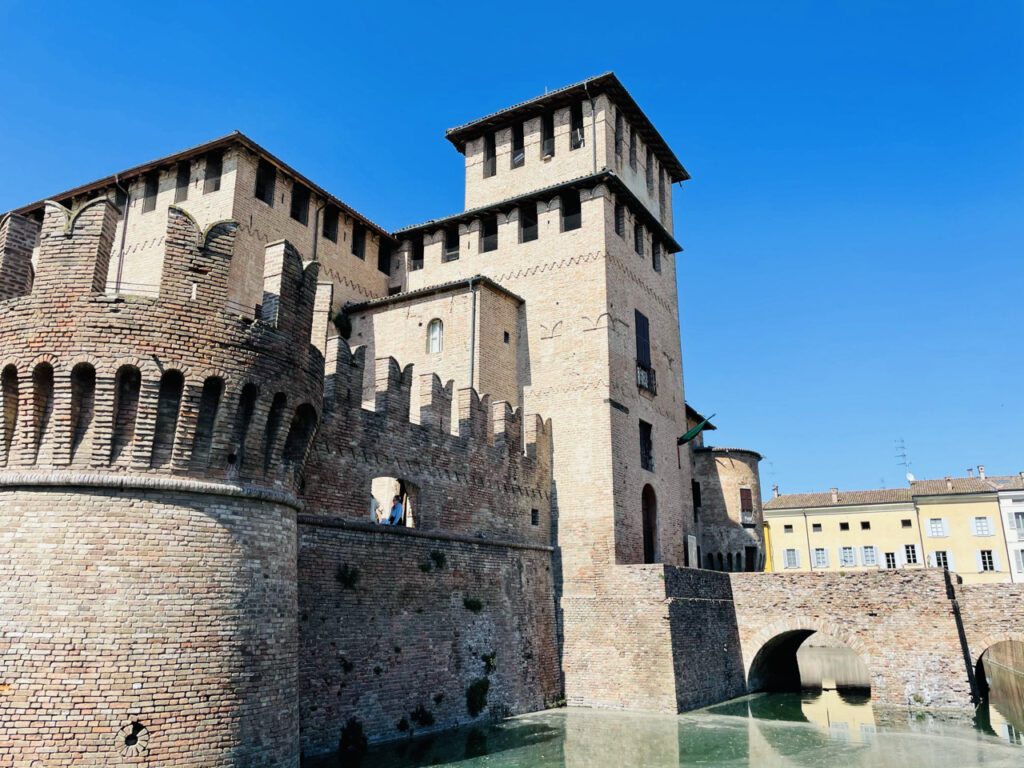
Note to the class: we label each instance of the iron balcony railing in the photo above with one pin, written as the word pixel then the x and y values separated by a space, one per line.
pixel 646 378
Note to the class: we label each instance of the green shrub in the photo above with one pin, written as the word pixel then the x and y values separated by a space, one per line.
pixel 476 696
pixel 347 576
pixel 472 604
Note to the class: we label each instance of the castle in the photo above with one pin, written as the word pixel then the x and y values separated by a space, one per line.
pixel 213 374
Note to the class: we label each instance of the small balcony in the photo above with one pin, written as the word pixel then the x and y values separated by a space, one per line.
pixel 646 379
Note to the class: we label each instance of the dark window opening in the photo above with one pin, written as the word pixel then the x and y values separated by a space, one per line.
pixel 620 126
pixel 9 385
pixel 214 168
pixel 172 383
pixel 645 376
pixel 243 420
pixel 183 176
pixel 906 524
pixel 508 337
pixel 490 156
pixel 650 170
pixel 273 428
pixel 300 204
pixel 518 146
pixel 638 238
pixel 656 255
pixel 300 434
pixel 649 510
pixel 527 222
pixel 632 149
pixel 746 500
pixel 489 233
pixel 331 216
pixel 451 244
pixel 358 240
pixel 547 135
pixel 83 402
pixel 152 187
pixel 865 525
pixel 815 527
pixel 695 489
pixel 620 220
pixel 844 526
pixel 661 191
pixel 384 256
pixel 571 211
pixel 576 126
pixel 209 405
pixel 534 517
pixel 266 181
pixel 417 254
pixel 646 446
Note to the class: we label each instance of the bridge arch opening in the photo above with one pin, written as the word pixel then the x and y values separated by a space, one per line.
pixel 1000 678
pixel 805 659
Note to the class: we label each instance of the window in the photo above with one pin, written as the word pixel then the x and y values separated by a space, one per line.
pixel 646 446
pixel 906 524
pixel 650 171
pixel 792 558
pixel 910 551
pixel 576 126
pixel 266 179
pixel 620 127
pixel 746 506
pixel 816 527
pixel 656 255
pixel 490 156
pixel 695 489
pixel 518 146
pixel 534 517
pixel 417 255
pixel 869 556
pixel 661 190
pixel 527 222
pixel 632 148
pixel 982 527
pixel 508 337
pixel 988 562
pixel 890 560
pixel 183 176
pixel 1017 522
pixel 547 135
pixel 451 244
pixel 787 529
pixel 1018 556
pixel 644 372
pixel 941 560
pixel 638 238
pixel 936 527
pixel 331 214
pixel 435 336
pixel 359 240
pixel 844 526
pixel 489 234
pixel 820 557
pixel 214 168
pixel 571 213
pixel 152 186
pixel 620 220
pixel 847 558
pixel 865 525
pixel 384 256
pixel 300 209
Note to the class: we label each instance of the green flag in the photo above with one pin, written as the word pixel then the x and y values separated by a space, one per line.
pixel 690 434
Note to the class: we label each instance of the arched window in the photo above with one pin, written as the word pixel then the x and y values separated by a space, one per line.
pixel 83 406
pixel 9 386
pixel 435 335
pixel 127 384
pixel 209 404
pixel 172 384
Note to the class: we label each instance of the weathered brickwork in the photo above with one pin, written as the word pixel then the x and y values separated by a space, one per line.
pixel 396 625
pixel 730 538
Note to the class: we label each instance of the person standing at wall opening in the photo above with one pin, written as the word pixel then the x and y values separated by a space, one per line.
pixel 395 518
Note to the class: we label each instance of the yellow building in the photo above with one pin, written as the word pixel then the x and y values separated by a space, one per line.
pixel 952 523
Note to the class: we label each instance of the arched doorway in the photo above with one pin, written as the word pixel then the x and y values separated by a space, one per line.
pixel 649 506
pixel 805 659
pixel 1000 677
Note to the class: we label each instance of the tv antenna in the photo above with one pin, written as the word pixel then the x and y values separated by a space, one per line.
pixel 903 458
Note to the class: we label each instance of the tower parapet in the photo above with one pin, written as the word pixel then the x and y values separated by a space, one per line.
pixel 150 451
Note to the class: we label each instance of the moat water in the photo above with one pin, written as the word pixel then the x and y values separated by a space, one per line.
pixel 821 728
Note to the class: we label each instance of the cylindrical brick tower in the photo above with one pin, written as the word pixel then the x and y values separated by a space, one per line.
pixel 149 451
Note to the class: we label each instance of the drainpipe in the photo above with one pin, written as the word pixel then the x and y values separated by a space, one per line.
pixel 807 535
pixel 124 232
pixel 316 228
pixel 920 535
pixel 472 333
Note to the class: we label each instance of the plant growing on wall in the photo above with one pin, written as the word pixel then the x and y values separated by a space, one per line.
pixel 476 696
pixel 472 604
pixel 347 576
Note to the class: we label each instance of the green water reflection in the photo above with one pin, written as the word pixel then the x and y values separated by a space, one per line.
pixel 808 729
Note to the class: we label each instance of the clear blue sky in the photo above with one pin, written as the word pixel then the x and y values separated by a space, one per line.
pixel 854 229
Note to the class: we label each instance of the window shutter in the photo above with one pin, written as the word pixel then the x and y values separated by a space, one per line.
pixel 945 527
pixel 643 338
pixel 949 561
pixel 932 563
pixel 1019 555
pixel 974 530
pixel 990 527
pixel 977 560
pixel 995 560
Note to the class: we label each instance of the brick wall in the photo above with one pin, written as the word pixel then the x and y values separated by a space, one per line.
pixel 722 473
pixel 415 627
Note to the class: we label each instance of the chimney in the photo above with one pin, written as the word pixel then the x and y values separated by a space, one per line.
pixel 775 489
pixel 981 471
pixel 970 471
pixel 835 495
pixel 949 483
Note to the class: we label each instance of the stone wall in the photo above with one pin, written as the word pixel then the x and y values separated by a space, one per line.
pixel 991 613
pixel 722 473
pixel 396 626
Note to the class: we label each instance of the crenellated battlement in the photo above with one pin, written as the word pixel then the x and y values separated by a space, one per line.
pixel 478 466
pixel 173 384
